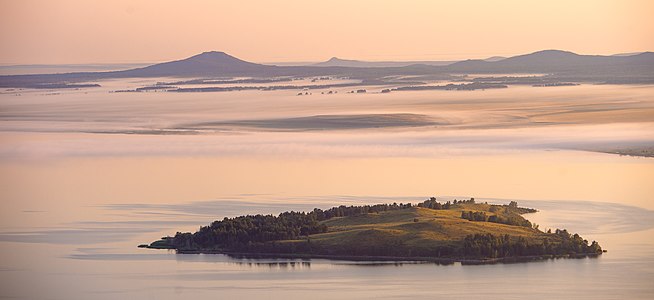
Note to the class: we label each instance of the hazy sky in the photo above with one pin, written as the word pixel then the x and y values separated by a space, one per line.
pixel 82 31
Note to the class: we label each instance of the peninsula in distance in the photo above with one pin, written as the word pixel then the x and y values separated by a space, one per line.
pixel 463 231
pixel 553 67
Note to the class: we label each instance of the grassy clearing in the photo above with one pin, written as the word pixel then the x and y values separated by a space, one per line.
pixel 413 228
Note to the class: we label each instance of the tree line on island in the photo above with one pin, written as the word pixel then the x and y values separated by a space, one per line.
pixel 493 246
pixel 503 214
pixel 231 233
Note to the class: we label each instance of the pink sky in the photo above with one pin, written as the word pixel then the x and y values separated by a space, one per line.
pixel 77 31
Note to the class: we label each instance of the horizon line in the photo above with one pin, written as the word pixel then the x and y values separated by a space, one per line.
pixel 10 64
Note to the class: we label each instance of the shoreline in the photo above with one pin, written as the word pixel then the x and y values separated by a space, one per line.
pixel 437 260
pixel 633 151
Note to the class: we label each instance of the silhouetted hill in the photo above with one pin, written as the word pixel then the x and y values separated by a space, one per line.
pixel 338 62
pixel 213 63
pixel 566 65
pixel 557 61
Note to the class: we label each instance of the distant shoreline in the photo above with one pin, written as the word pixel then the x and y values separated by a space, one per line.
pixel 634 151
pixel 645 152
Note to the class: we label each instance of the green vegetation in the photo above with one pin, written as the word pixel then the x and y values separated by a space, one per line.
pixel 457 230
pixel 488 245
pixel 504 214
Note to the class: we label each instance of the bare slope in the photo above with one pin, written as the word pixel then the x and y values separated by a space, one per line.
pixel 415 231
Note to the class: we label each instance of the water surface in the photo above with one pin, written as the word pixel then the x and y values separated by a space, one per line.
pixel 87 175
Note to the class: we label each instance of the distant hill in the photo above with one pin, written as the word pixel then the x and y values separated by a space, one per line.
pixel 210 63
pixel 637 68
pixel 338 62
pixel 557 61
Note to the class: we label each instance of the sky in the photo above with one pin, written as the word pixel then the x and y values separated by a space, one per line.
pixel 118 31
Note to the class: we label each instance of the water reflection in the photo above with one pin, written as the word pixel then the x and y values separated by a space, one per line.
pixel 110 269
pixel 76 205
pixel 274 265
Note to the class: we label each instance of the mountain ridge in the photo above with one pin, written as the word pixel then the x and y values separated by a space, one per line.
pixel 340 62
pixel 551 61
pixel 221 64
pixel 206 63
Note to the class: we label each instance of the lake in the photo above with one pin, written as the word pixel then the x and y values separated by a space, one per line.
pixel 87 175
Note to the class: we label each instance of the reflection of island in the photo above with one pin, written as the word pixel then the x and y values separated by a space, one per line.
pixel 452 231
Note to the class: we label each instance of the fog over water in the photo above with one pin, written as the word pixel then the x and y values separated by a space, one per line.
pixel 86 175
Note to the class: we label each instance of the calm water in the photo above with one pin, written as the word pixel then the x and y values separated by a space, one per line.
pixel 90 259
pixel 86 176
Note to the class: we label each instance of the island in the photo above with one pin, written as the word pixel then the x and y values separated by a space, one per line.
pixel 463 231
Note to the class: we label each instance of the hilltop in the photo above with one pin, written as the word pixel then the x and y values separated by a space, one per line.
pixel 451 231
pixel 204 64
pixel 558 61
pixel 339 62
